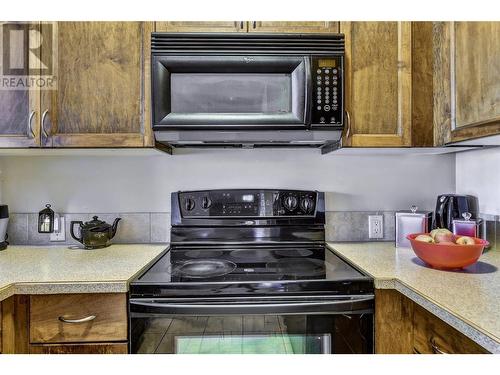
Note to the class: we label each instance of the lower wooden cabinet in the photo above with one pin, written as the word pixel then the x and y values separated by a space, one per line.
pixel 78 318
pixel 433 336
pixel 403 327
pixel 102 348
pixel 65 323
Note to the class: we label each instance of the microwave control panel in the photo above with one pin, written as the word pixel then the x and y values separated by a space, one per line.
pixel 327 91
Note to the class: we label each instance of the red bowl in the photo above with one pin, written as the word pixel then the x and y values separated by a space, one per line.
pixel 447 256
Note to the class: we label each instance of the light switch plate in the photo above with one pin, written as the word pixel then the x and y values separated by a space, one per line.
pixel 61 234
pixel 375 226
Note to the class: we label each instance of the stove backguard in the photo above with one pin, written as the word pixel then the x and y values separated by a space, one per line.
pixel 247 216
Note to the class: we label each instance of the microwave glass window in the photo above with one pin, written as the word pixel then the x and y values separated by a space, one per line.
pixel 230 93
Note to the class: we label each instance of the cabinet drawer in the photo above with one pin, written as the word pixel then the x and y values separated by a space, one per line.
pixel 432 335
pixel 65 318
pixel 111 348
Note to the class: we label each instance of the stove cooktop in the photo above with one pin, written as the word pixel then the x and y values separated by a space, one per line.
pixel 257 269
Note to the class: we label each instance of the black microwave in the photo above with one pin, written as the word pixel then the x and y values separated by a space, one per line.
pixel 259 89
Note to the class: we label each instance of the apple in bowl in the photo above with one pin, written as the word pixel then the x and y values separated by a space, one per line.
pixel 442 249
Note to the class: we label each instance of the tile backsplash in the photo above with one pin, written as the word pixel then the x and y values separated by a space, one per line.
pixel 154 227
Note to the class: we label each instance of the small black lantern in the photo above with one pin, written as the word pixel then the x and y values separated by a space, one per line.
pixel 46 220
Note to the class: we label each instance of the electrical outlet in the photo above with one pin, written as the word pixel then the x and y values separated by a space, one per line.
pixel 59 233
pixel 375 226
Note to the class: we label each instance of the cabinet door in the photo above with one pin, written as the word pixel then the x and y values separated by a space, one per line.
pixel 378 83
pixel 433 336
pixel 19 108
pixel 294 26
pixel 202 26
pixel 467 80
pixel 103 85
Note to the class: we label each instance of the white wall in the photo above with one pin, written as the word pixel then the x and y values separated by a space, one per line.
pixel 144 183
pixel 478 173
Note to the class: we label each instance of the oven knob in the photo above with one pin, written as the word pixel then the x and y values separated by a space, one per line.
pixel 206 203
pixel 290 203
pixel 189 204
pixel 307 205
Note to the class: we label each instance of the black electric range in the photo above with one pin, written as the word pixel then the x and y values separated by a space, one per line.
pixel 241 253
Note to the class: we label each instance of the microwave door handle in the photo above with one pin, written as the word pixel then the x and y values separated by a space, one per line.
pixel 308 90
pixel 344 306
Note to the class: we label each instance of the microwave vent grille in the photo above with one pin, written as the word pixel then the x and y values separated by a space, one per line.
pixel 260 44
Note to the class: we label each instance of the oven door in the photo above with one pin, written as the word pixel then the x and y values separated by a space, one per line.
pixel 322 325
pixel 230 92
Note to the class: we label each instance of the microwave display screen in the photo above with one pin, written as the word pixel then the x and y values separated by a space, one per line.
pixel 327 63
pixel 231 93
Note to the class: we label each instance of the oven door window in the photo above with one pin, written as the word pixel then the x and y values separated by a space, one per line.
pixel 253 334
pixel 229 91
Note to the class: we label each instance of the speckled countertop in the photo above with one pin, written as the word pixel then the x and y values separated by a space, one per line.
pixel 468 300
pixel 58 269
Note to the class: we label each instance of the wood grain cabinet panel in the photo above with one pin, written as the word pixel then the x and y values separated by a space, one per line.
pixel 55 318
pixel 294 26
pixel 378 83
pixel 393 322
pixel 104 348
pixel 19 109
pixel 201 26
pixel 433 336
pixel 102 85
pixel 466 80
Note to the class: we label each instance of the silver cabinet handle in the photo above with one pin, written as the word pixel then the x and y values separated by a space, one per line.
pixel 45 113
pixel 74 321
pixel 348 118
pixel 31 133
pixel 435 348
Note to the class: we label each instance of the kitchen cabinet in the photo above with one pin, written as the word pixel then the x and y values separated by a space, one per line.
pixel 78 318
pixel 20 108
pixel 293 27
pixel 202 26
pixel 378 83
pixel 467 80
pixel 251 26
pixel 403 327
pixel 393 316
pixel 102 96
pixel 65 323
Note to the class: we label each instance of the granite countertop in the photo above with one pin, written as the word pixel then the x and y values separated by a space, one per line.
pixel 468 300
pixel 59 269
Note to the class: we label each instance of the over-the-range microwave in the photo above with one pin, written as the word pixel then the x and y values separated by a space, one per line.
pixel 248 90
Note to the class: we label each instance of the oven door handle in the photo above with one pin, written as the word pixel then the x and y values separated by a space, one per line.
pixel 340 306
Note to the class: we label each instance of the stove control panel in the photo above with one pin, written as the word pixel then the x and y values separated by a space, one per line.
pixel 247 203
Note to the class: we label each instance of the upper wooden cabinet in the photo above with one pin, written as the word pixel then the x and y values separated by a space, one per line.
pixel 251 26
pixel 19 108
pixel 102 96
pixel 202 26
pixel 293 27
pixel 378 83
pixel 466 80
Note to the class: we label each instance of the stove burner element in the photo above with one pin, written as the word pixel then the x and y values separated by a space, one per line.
pixel 293 253
pixel 299 267
pixel 205 268
pixel 202 254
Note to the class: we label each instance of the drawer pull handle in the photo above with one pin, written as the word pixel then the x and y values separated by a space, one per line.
pixel 82 320
pixel 435 348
